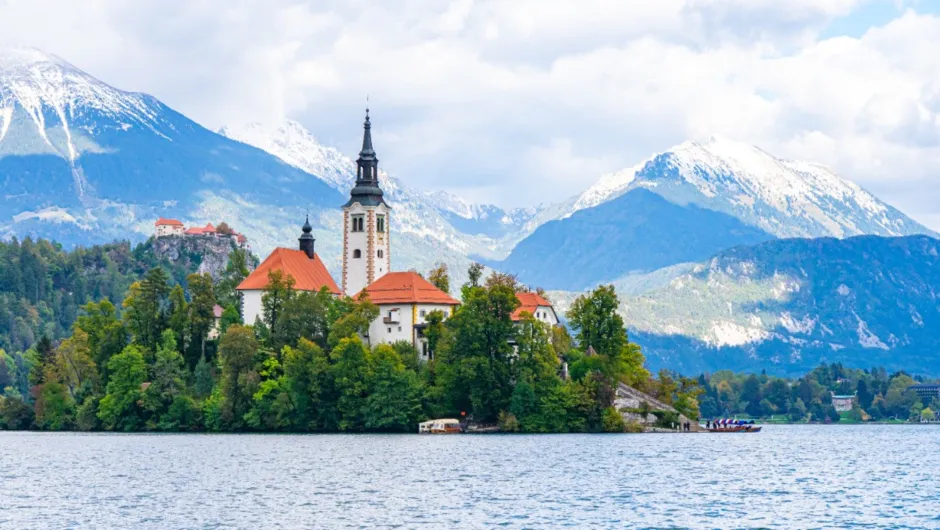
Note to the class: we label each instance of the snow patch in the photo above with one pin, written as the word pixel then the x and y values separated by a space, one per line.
pixel 732 334
pixel 866 338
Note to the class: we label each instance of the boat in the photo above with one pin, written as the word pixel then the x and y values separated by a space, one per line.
pixel 728 425
pixel 440 426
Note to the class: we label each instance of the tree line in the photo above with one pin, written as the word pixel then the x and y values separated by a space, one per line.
pixel 878 395
pixel 160 361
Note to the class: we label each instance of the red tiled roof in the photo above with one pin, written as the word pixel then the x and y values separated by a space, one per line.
pixel 308 274
pixel 529 302
pixel 194 231
pixel 406 288
pixel 168 222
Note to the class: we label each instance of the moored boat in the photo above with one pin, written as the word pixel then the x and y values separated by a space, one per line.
pixel 440 426
pixel 729 425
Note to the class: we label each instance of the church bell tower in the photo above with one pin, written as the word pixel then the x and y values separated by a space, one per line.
pixel 366 245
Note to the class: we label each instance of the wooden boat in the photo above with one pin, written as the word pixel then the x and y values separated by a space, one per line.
pixel 440 426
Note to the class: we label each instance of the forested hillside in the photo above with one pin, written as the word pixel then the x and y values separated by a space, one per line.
pixel 42 285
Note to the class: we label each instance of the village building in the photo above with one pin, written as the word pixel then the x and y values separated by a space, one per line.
pixel 405 300
pixel 216 328
pixel 842 403
pixel 366 242
pixel 537 306
pixel 926 392
pixel 303 265
pixel 168 227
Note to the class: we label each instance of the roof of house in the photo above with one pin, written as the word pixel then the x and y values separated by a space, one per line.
pixel 406 288
pixel 529 303
pixel 217 311
pixel 308 274
pixel 167 222
pixel 200 230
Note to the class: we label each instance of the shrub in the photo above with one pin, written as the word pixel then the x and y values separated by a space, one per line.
pixel 612 420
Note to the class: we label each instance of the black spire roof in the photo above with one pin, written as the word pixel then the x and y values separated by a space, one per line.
pixel 367 191
pixel 306 239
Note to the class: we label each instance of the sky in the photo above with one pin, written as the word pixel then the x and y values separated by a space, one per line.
pixel 524 102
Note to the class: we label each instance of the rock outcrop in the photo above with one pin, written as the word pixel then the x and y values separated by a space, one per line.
pixel 629 401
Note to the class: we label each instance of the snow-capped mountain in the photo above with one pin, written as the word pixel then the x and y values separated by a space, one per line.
pixel 786 198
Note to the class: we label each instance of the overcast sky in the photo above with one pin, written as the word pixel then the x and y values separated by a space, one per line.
pixel 519 102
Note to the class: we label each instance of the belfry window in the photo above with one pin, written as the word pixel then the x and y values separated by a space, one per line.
pixel 358 223
pixel 381 253
pixel 380 224
pixel 357 254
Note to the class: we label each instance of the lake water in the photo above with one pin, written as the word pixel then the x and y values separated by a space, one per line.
pixel 784 477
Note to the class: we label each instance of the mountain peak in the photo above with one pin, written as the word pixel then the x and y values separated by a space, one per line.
pixel 24 57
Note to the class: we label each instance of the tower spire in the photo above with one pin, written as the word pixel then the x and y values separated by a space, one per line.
pixel 306 239
pixel 367 191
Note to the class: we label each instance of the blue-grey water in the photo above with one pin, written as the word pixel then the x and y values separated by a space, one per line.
pixel 784 477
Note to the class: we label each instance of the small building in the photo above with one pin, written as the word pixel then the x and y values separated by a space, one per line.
pixel 207 230
pixel 842 403
pixel 216 321
pixel 927 392
pixel 303 265
pixel 537 306
pixel 405 299
pixel 168 227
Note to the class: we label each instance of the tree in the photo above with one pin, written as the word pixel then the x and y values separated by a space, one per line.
pixel 203 381
pixel 201 314
pixel 434 331
pixel 179 317
pixel 439 277
pixel 279 290
pixel 167 383
pixel 271 408
pixel 597 325
pixel 236 270
pixel 751 393
pixel 474 369
pixel 350 375
pixel 238 380
pixel 535 358
pixel 119 409
pixel 354 320
pixel 305 316
pixel 144 307
pixel 394 402
pixel 308 384
pixel 55 408
pixel 474 273
pixel 927 415
pixel 106 333
pixel 561 340
pixel 224 229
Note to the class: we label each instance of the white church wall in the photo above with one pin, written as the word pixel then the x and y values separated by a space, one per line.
pixel 251 305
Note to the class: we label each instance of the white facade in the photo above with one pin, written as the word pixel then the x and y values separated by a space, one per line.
pixel 366 246
pixel 396 322
pixel 546 314
pixel 251 306
pixel 169 230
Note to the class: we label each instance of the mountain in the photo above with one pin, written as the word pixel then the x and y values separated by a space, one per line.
pixel 81 161
pixel 787 305
pixel 765 196
pixel 638 231
pixel 785 198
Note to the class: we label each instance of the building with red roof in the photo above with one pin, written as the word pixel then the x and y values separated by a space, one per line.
pixel 168 227
pixel 405 300
pixel 537 306
pixel 303 265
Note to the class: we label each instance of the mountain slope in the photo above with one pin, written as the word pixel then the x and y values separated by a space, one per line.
pixel 787 305
pixel 785 198
pixel 639 231
pixel 104 162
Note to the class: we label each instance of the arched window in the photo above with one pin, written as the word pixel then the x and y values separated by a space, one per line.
pixel 357 253
pixel 381 253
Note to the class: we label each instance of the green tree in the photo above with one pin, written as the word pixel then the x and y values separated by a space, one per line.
pixel 106 333
pixel 271 408
pixel 238 380
pixel 309 386
pixel 394 402
pixel 305 316
pixel 356 316
pixel 279 290
pixel 350 375
pixel 927 415
pixel 167 383
pixel 201 314
pixel 55 408
pixel 179 316
pixel 144 307
pixel 235 273
pixel 119 409
pixel 474 369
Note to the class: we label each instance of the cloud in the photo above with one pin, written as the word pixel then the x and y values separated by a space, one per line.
pixel 494 99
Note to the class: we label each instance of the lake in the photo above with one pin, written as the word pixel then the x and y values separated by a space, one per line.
pixel 784 477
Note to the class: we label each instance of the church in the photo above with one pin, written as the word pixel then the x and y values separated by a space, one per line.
pixel 404 298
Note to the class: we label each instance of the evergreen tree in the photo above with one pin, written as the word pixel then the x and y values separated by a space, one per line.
pixel 350 375
pixel 394 401
pixel 238 380
pixel 201 315
pixel 119 408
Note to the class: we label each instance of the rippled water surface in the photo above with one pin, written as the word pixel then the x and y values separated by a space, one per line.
pixel 784 477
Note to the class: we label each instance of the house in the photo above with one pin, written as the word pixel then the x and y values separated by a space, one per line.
pixel 207 230
pixel 926 392
pixel 842 403
pixel 536 305
pixel 405 300
pixel 216 321
pixel 168 227
pixel 303 265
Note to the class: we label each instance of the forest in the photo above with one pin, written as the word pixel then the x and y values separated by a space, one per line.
pixel 879 396
pixel 156 359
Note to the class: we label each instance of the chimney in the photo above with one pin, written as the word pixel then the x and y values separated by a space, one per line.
pixel 307 240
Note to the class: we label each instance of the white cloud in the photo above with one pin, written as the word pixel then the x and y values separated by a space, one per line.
pixel 491 98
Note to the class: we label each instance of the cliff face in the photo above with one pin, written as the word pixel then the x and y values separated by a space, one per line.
pixel 200 253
